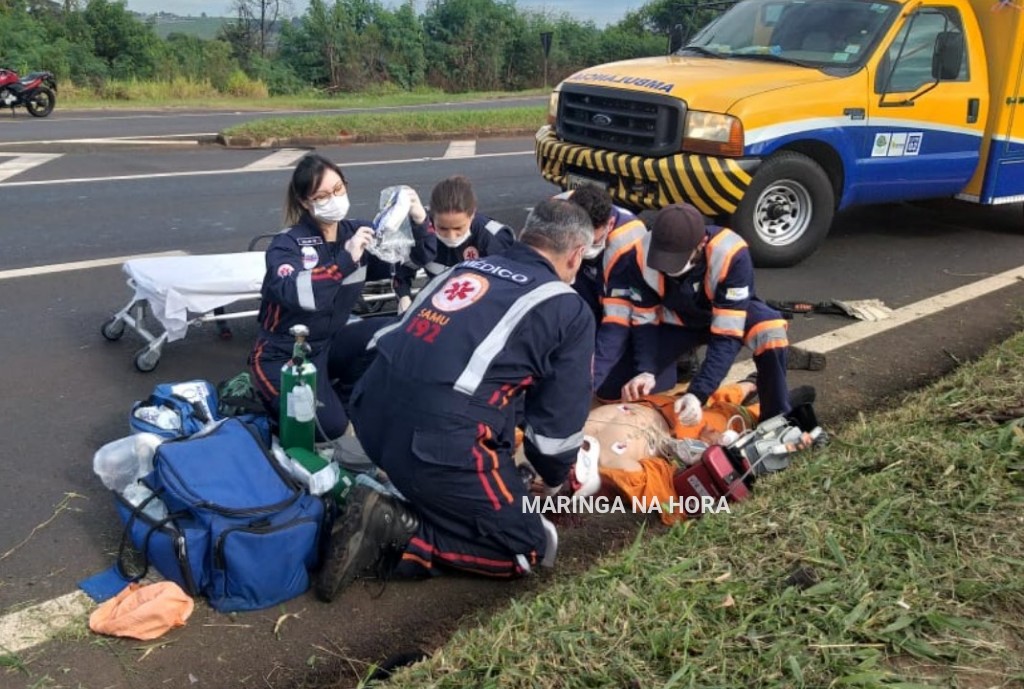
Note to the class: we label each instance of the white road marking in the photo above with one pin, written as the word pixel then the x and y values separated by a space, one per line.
pixel 80 265
pixel 862 330
pixel 34 625
pixel 23 162
pixel 148 139
pixel 461 149
pixel 26 628
pixel 286 157
pixel 235 171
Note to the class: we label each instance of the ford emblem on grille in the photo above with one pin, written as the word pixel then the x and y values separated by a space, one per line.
pixel 601 120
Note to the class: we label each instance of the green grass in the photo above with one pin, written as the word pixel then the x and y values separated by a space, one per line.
pixel 184 93
pixel 908 530
pixel 377 126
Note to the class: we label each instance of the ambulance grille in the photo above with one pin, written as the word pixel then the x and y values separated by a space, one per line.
pixel 625 121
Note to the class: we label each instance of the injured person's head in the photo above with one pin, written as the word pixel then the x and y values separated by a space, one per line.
pixel 629 432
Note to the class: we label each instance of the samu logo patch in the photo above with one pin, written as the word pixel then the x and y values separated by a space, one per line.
pixel 460 292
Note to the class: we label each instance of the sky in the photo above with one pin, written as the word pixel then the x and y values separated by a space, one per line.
pixel 601 13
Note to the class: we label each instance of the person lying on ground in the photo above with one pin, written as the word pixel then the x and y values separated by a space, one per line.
pixel 642 444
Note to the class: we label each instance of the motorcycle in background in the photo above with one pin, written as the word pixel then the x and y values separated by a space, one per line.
pixel 36 92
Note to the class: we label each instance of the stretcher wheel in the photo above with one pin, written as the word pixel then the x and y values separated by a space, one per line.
pixel 146 359
pixel 113 329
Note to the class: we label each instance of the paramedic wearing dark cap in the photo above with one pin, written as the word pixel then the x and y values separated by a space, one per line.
pixel 436 412
pixel 684 285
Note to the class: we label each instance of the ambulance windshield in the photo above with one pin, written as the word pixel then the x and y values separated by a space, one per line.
pixel 814 33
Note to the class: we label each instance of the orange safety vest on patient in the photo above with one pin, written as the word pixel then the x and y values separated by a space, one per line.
pixel 654 480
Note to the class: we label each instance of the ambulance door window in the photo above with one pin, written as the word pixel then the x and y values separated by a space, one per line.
pixel 912 50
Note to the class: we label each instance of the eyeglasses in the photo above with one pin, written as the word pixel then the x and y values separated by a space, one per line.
pixel 339 190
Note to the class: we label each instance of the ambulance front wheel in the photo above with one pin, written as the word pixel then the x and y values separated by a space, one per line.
pixel 113 329
pixel 786 211
pixel 146 359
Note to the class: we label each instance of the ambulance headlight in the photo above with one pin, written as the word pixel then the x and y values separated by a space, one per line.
pixel 553 105
pixel 712 132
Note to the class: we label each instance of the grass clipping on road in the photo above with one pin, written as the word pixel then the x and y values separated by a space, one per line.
pixel 397 125
pixel 891 558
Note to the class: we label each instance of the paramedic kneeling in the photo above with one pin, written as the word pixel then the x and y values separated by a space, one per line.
pixel 435 411
pixel 315 273
pixel 681 286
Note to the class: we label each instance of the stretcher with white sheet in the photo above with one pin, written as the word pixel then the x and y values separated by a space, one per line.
pixel 182 292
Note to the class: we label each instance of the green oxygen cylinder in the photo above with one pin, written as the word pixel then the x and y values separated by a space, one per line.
pixel 298 395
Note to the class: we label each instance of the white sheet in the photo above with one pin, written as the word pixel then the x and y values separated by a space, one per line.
pixel 178 285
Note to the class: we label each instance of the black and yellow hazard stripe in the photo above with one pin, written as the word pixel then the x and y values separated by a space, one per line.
pixel 713 185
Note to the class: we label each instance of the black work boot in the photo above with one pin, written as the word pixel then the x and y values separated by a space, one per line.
pixel 688 364
pixel 800 359
pixel 371 534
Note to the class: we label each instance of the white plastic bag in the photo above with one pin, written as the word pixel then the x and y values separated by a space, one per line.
pixel 138 493
pixel 392 239
pixel 122 462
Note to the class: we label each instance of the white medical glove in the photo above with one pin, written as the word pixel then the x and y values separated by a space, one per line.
pixel 417 213
pixel 357 243
pixel 639 386
pixel 403 304
pixel 689 410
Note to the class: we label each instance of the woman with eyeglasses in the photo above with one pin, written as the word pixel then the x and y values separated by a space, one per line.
pixel 315 274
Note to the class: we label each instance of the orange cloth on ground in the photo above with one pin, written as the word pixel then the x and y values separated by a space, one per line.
pixel 143 612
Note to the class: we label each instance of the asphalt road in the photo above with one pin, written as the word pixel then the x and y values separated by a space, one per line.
pixel 69 391
pixel 87 124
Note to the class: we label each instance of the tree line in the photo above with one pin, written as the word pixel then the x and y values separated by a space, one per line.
pixel 336 45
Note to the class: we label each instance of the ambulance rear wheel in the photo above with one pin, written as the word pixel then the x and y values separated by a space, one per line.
pixel 113 329
pixel 786 212
pixel 146 360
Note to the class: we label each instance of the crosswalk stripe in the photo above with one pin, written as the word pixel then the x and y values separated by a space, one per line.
pixel 286 157
pixel 461 149
pixel 23 162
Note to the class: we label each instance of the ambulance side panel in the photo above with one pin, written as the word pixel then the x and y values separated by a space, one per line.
pixel 1000 176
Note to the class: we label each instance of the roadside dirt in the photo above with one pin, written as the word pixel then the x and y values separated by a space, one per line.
pixel 306 644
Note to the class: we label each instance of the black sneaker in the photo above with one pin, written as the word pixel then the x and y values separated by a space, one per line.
pixel 371 534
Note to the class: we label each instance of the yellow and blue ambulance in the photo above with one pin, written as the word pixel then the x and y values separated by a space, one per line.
pixel 781 112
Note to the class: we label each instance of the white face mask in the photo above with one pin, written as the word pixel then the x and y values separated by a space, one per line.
pixel 686 269
pixel 331 209
pixel 594 250
pixel 455 243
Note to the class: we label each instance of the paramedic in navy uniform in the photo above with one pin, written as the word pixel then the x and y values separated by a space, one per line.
pixel 462 234
pixel 315 273
pixel 435 412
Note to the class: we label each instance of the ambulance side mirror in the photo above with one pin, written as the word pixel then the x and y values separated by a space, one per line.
pixel 948 56
pixel 676 38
